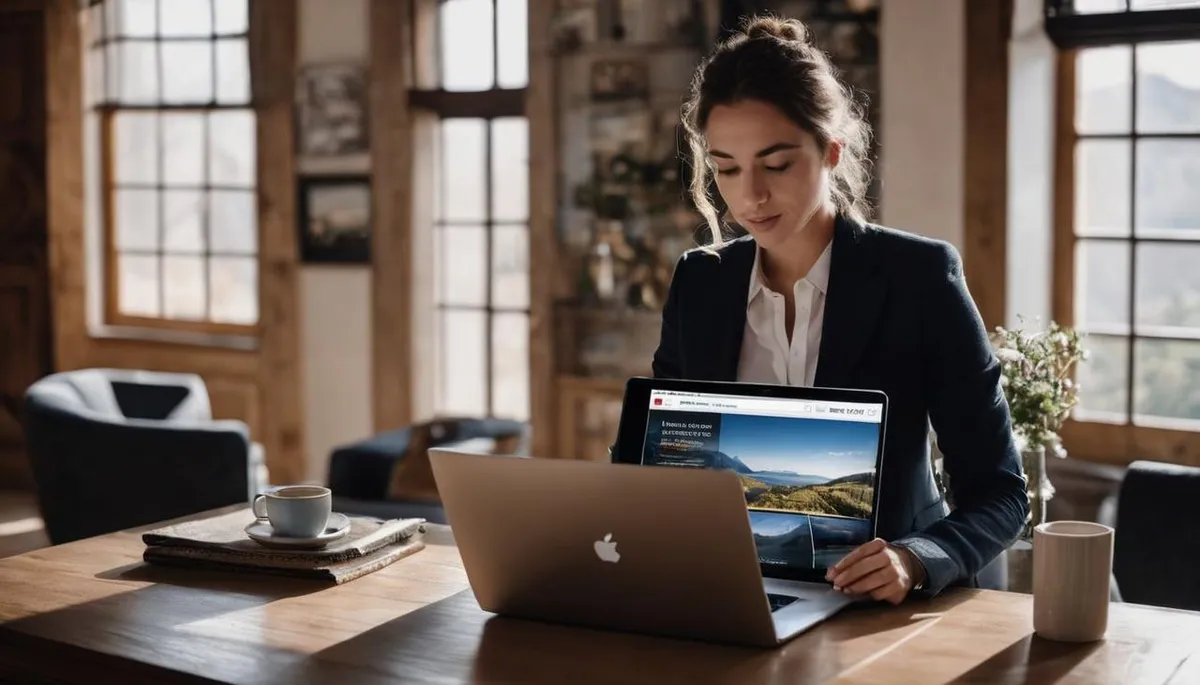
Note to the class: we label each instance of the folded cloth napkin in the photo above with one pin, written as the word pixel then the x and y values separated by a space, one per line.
pixel 220 542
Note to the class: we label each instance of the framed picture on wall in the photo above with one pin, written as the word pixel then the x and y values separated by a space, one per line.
pixel 331 110
pixel 334 217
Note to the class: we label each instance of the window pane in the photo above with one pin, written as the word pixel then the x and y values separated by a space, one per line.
pixel 183 288
pixel 233 222
pixel 466 44
pixel 231 148
pixel 112 72
pixel 463 363
pixel 1168 87
pixel 1161 4
pixel 233 283
pixel 183 142
pixel 137 219
pixel 1102 285
pixel 137 285
pixel 186 18
pixel 1103 100
pixel 510 169
pixel 463 169
pixel 1102 186
pixel 462 265
pixel 135 148
pixel 510 365
pixel 1168 285
pixel 184 225
pixel 1168 380
pixel 135 70
pixel 1167 178
pixel 131 18
pixel 1103 379
pixel 1094 6
pixel 233 71
pixel 232 16
pixel 510 267
pixel 512 27
pixel 187 72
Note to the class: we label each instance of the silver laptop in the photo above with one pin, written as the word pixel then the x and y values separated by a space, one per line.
pixel 650 549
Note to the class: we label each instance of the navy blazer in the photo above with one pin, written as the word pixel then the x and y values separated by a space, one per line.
pixel 898 318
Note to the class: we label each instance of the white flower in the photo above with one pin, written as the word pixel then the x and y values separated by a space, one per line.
pixel 1007 354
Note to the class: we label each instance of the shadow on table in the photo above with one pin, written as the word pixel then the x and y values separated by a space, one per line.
pixel 454 640
pixel 1031 659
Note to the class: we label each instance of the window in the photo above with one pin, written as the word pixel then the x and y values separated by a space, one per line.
pixel 1129 231
pixel 169 87
pixel 481 211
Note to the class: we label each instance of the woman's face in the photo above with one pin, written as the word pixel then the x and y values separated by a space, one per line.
pixel 770 172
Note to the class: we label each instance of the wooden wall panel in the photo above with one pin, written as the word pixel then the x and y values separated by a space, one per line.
pixel 232 398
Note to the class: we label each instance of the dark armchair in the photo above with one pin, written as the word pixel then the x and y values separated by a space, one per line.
pixel 113 449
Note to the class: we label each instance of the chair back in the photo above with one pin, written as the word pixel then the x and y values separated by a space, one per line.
pixel 1156 553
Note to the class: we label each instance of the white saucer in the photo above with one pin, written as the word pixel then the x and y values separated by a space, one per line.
pixel 262 533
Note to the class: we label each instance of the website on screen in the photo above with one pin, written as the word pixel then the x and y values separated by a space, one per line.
pixel 807 467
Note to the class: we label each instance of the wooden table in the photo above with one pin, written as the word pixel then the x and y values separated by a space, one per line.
pixel 92 612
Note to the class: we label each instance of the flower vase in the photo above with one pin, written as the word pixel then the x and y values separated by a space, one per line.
pixel 1038 487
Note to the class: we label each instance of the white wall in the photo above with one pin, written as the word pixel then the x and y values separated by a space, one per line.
pixel 922 122
pixel 335 301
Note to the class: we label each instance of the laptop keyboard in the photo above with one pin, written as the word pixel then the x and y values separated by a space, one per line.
pixel 780 601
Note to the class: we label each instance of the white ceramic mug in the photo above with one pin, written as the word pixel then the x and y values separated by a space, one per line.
pixel 299 511
pixel 1072 567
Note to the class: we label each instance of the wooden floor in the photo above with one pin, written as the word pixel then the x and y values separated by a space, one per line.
pixel 21 527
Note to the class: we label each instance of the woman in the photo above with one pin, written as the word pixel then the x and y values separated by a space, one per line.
pixel 815 295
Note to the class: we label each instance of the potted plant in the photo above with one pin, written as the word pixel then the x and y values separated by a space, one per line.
pixel 1035 375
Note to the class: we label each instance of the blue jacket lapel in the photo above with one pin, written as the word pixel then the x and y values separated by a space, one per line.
pixel 853 303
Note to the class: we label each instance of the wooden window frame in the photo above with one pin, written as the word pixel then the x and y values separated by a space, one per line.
pixel 438 105
pixel 106 112
pixel 1112 443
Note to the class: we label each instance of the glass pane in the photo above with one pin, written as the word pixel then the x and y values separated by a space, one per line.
pixel 233 222
pixel 1103 98
pixel 232 16
pixel 187 72
pixel 467 45
pixel 1161 4
pixel 112 72
pixel 463 363
pixel 1103 378
pixel 1094 6
pixel 1102 187
pixel 1167 178
pixel 233 71
pixel 510 365
pixel 1168 285
pixel 510 169
pixel 135 148
pixel 184 221
pixel 510 267
pixel 1102 285
pixel 183 141
pixel 183 287
pixel 186 18
pixel 137 285
pixel 462 265
pixel 1168 375
pixel 135 70
pixel 231 148
pixel 137 219
pixel 233 284
pixel 512 27
pixel 131 18
pixel 463 169
pixel 1168 87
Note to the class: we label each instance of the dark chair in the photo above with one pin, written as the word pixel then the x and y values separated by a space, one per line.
pixel 113 449
pixel 1156 554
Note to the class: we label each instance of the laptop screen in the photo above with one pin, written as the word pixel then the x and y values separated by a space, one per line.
pixel 807 467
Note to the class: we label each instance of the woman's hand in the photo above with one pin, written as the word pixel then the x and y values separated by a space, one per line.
pixel 885 572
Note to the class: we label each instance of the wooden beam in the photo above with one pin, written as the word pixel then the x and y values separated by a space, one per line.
pixel 391 57
pixel 543 238
pixel 273 28
pixel 985 224
pixel 1063 260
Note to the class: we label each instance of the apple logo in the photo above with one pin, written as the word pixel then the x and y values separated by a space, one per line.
pixel 606 549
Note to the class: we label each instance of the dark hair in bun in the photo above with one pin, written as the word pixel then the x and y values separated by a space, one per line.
pixel 773 60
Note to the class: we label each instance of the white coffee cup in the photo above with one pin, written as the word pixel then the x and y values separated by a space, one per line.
pixel 1072 568
pixel 299 511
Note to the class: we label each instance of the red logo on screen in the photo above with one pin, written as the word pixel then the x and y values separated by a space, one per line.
pixel 657 401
